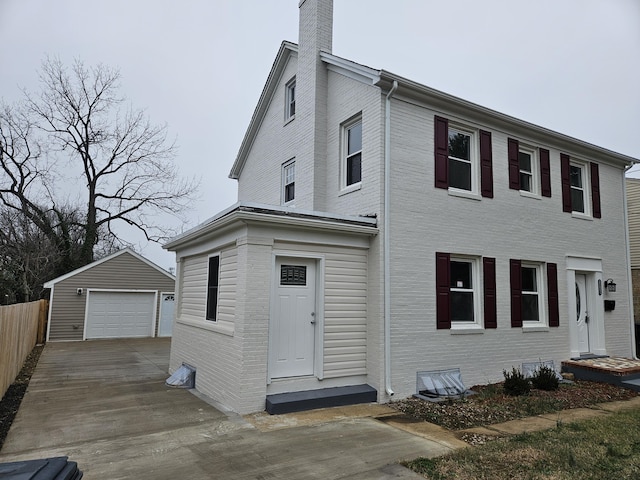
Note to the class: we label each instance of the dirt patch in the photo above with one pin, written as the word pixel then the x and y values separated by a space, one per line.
pixel 13 397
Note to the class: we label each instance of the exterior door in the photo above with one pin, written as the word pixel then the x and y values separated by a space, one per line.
pixel 165 327
pixel 292 341
pixel 119 314
pixel 582 313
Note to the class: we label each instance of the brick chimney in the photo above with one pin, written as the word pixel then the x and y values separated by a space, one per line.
pixel 315 34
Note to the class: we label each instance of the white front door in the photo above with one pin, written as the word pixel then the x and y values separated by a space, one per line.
pixel 292 332
pixel 582 313
pixel 165 327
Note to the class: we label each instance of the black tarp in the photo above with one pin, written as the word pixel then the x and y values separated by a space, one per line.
pixel 58 468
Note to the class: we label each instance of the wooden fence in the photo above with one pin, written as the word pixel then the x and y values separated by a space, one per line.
pixel 21 326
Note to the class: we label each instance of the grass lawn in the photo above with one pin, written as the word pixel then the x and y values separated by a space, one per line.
pixel 603 448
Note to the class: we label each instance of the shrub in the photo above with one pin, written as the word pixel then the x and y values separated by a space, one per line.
pixel 545 378
pixel 515 383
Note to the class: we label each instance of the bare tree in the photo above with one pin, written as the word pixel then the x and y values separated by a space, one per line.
pixel 79 144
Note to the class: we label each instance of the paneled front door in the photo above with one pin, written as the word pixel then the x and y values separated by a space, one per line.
pixel 582 313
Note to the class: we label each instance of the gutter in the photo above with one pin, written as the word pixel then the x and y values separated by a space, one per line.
pixel 387 247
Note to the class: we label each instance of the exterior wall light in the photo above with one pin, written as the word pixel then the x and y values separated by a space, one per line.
pixel 610 285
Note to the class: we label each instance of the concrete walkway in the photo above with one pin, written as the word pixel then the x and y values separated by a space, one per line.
pixel 104 404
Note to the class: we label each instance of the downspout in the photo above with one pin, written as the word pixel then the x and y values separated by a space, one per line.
pixel 387 248
pixel 628 252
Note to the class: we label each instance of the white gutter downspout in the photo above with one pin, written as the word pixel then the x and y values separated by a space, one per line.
pixel 387 248
pixel 629 279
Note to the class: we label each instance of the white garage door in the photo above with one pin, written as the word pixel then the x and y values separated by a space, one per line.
pixel 120 314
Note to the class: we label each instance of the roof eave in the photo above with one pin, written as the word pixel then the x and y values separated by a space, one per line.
pixel 455 105
pixel 279 64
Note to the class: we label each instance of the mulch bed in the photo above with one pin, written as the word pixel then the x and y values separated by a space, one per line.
pixel 490 405
pixel 13 397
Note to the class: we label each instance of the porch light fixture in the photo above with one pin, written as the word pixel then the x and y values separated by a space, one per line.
pixel 610 285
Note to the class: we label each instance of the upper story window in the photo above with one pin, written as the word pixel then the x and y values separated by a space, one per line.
pixel 351 168
pixel 288 182
pixel 529 169
pixel 461 163
pixel 580 187
pixel 463 156
pixel 290 99
pixel 213 278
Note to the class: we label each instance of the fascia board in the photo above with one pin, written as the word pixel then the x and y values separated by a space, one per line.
pixel 279 65
pixel 356 71
pixel 451 104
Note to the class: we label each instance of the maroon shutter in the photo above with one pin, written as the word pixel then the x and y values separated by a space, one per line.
pixel 566 182
pixel 545 173
pixel 441 142
pixel 552 294
pixel 516 293
pixel 595 190
pixel 514 164
pixel 486 165
pixel 489 273
pixel 442 291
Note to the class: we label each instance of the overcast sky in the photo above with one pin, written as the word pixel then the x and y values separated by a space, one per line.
pixel 199 65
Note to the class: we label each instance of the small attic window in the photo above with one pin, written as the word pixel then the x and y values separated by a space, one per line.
pixel 290 100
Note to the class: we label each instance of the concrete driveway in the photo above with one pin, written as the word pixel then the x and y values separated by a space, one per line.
pixel 105 405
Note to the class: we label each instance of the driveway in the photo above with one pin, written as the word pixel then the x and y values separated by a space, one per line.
pixel 105 405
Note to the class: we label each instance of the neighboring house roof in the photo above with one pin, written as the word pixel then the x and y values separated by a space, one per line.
pixel 51 283
pixel 411 89
pixel 248 211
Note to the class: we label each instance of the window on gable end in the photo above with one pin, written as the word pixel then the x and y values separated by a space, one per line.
pixel 213 279
pixel 351 162
pixel 288 182
pixel 290 100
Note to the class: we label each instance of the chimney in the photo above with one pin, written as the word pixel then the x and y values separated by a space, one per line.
pixel 315 34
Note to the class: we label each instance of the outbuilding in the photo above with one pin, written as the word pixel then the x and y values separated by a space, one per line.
pixel 122 295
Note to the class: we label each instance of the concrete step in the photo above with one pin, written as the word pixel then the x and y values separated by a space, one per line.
pixel 323 398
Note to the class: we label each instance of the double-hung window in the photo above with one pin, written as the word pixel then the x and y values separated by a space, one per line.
pixel 529 169
pixel 290 100
pixel 351 170
pixel 531 303
pixel 213 279
pixel 463 155
pixel 580 187
pixel 465 292
pixel 288 182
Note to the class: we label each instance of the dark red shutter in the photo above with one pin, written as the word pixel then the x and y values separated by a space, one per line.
pixel 514 164
pixel 442 291
pixel 552 294
pixel 566 182
pixel 545 173
pixel 595 190
pixel 516 293
pixel 489 273
pixel 441 142
pixel 486 165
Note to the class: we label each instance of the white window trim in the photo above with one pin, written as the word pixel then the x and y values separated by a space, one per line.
pixel 344 153
pixel 535 170
pixel 541 283
pixel 586 189
pixel 290 87
pixel 285 165
pixel 476 283
pixel 474 160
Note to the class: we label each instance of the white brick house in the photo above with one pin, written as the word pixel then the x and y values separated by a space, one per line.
pixel 384 227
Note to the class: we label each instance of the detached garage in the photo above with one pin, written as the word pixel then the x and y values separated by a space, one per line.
pixel 123 295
